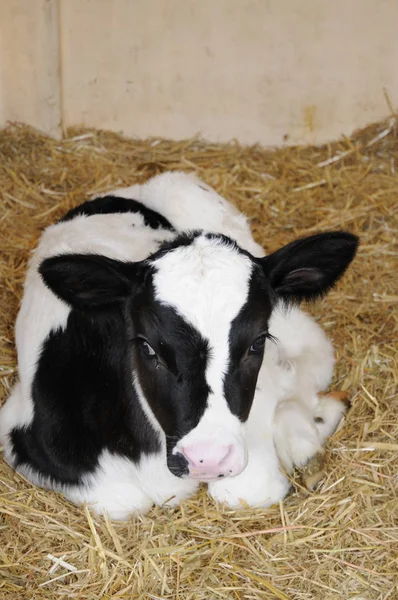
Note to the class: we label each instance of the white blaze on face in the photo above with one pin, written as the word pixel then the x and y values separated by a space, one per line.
pixel 207 283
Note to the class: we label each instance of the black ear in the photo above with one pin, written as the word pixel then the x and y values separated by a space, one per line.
pixel 89 280
pixel 309 267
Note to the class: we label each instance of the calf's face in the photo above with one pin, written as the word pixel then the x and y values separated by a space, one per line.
pixel 200 326
pixel 197 315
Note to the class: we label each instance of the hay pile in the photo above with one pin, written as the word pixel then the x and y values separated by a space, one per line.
pixel 339 542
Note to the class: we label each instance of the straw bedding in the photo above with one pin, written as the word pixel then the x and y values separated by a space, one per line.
pixel 339 541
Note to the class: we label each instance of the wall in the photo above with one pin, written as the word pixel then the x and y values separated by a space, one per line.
pixel 29 63
pixel 273 71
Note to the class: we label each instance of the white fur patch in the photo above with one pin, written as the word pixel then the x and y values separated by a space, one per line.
pixel 122 488
pixel 189 203
pixel 261 484
pixel 207 283
pixel 16 412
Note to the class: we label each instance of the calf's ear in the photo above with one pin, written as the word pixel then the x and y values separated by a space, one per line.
pixel 309 267
pixel 90 280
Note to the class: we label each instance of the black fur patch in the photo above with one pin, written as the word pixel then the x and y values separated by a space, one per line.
pixel 113 204
pixel 84 401
pixel 174 379
pixel 183 239
pixel 308 268
pixel 244 365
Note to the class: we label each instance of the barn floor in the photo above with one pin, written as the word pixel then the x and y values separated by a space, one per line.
pixel 339 542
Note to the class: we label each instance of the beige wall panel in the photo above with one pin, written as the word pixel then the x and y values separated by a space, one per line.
pixel 258 70
pixel 29 64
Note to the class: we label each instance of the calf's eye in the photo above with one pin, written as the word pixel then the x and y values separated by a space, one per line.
pixel 258 344
pixel 147 348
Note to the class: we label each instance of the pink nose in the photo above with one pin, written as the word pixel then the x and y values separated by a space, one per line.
pixel 207 460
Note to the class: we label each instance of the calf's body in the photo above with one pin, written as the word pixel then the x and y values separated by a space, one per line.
pixel 156 351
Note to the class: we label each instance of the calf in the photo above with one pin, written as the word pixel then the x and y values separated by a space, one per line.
pixel 159 348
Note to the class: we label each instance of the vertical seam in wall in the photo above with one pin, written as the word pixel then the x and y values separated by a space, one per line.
pixel 60 69
pixel 2 111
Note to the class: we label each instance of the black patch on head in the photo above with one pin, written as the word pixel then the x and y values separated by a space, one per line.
pixel 113 204
pixel 84 401
pixel 227 241
pixel 173 380
pixel 244 364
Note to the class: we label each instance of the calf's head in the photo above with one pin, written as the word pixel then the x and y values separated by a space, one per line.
pixel 197 315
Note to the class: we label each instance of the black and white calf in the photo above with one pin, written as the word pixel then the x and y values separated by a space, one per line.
pixel 155 351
